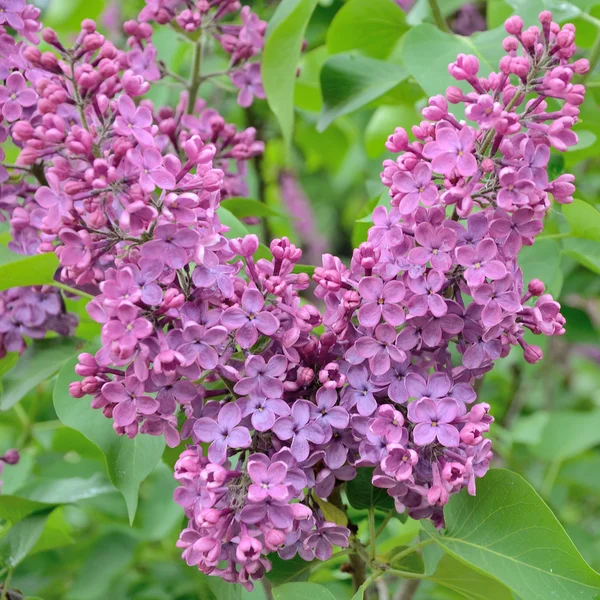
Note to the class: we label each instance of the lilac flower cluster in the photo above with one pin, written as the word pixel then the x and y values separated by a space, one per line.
pixel 75 189
pixel 206 337
pixel 439 279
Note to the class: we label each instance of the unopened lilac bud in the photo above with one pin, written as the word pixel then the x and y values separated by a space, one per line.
pixel 514 25
pixel 510 44
pixel 454 94
pixel 545 17
pixel 88 25
pixel 532 354
pixel 565 38
pixel 49 36
pixel 11 457
pixel 536 287
pixel 398 141
pixel 581 66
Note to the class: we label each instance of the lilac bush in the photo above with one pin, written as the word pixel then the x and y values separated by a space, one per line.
pixel 207 339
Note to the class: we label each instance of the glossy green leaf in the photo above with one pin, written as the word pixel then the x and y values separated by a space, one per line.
pixel 372 27
pixel 382 124
pixel 583 219
pixel 411 563
pixel 16 508
pixel 65 491
pixel 578 431
pixel 426 52
pixel 246 207
pixel 586 252
pixel 508 532
pixel 281 56
pixel 308 269
pixel 542 261
pixel 349 81
pixel 287 571
pixel 56 533
pixel 129 462
pixel 21 538
pixel 362 494
pixel 236 227
pixel 471 584
pixel 223 590
pixel 41 360
pixel 17 270
pixel 302 591
pixel 158 514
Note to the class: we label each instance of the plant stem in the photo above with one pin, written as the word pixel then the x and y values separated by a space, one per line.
pixel 414 548
pixel 436 13
pixel 359 570
pixel 550 478
pixel 194 77
pixel 372 534
pixel 6 584
pixel 268 588
pixel 71 290
pixel 381 528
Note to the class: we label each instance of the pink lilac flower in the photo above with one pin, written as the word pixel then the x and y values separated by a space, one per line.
pixel 453 150
pixel 250 319
pixel 223 433
pixel 15 95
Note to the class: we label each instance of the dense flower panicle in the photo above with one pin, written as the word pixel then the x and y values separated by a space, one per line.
pixel 203 340
pixel 439 276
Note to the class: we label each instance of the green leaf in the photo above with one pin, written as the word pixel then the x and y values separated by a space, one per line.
pixel 508 532
pixel 586 252
pixel 281 55
pixel 129 462
pixel 21 538
pixel 15 508
pixel 331 512
pixel 41 360
pixel 411 562
pixel 308 269
pixel 426 53
pixel 246 207
pixel 382 124
pixel 17 270
pixel 583 219
pixel 286 571
pixel 578 431
pixel 372 27
pixel 301 591
pixel 66 491
pixel 542 261
pixel 349 81
pixel 223 590
pixel 158 514
pixel 362 494
pixel 236 227
pixel 110 556
pixel 472 585
pixel 56 534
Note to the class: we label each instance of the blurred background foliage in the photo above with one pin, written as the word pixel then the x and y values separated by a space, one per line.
pixel 361 75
